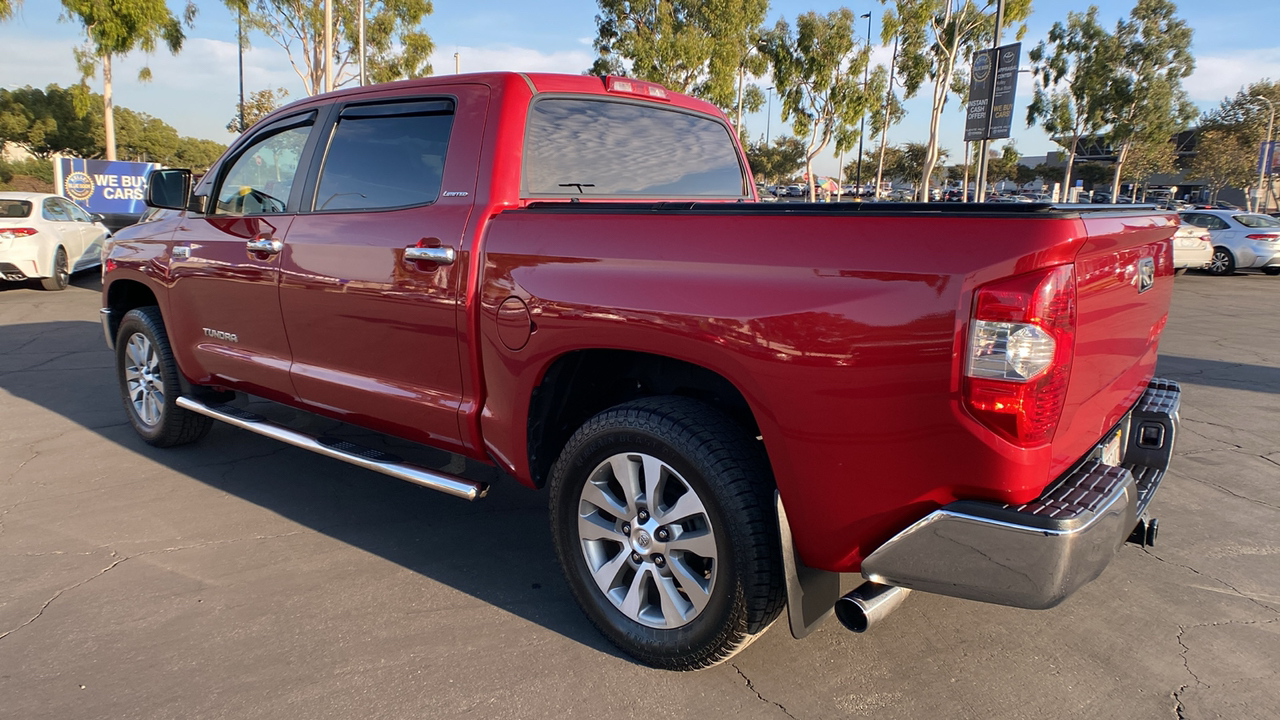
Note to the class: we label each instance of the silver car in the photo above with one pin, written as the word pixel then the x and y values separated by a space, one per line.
pixel 1240 240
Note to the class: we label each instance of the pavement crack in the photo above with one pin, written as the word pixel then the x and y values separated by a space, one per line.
pixel 59 594
pixel 1218 580
pixel 752 687
pixel 1234 493
pixel 1178 707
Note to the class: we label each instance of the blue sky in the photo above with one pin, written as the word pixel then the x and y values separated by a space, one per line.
pixel 196 92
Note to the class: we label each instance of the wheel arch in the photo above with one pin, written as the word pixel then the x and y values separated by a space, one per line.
pixel 125 294
pixel 580 383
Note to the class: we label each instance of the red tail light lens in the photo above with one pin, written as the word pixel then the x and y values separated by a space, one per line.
pixel 1021 342
pixel 1262 236
pixel 17 232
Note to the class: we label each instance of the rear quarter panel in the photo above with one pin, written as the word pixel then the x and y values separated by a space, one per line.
pixel 844 335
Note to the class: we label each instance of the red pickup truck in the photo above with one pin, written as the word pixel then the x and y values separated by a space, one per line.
pixel 730 403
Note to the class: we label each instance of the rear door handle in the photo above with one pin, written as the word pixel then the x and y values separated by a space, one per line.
pixel 437 255
pixel 264 243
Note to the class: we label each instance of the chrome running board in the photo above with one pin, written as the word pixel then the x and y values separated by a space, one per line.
pixel 347 452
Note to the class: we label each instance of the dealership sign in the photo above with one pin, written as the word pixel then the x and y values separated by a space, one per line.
pixel 103 186
pixel 992 82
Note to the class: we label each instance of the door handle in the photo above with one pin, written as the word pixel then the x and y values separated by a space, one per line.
pixel 264 243
pixel 437 255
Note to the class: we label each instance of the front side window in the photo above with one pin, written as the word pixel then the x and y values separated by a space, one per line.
pixel 260 180
pixel 75 213
pixel 385 156
pixel 577 148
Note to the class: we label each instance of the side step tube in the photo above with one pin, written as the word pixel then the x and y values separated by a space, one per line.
pixel 449 484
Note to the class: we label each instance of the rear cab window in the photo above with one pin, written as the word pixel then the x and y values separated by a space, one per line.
pixel 579 147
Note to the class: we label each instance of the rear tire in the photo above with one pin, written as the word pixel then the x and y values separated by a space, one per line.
pixel 61 273
pixel 149 382
pixel 1223 262
pixel 662 520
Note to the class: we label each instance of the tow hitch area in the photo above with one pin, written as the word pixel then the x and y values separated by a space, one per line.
pixel 1144 533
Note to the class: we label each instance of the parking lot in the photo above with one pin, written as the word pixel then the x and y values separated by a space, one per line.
pixel 242 578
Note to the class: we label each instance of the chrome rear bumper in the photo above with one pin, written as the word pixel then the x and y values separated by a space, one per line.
pixel 1036 555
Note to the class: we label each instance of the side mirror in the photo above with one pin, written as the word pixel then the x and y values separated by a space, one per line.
pixel 168 189
pixel 96 218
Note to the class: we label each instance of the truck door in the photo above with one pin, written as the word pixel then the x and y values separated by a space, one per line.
pixel 371 280
pixel 224 307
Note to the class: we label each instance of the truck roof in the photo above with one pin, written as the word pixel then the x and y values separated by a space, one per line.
pixel 537 82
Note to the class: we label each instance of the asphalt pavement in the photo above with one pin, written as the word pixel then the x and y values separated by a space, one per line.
pixel 241 578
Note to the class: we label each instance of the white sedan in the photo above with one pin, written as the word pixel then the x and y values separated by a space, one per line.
pixel 1240 239
pixel 47 237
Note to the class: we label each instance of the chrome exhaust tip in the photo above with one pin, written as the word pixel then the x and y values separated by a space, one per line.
pixel 868 604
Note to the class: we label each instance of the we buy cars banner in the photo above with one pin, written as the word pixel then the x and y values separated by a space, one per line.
pixel 110 187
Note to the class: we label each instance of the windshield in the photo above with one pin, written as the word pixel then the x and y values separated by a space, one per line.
pixel 1257 221
pixel 15 209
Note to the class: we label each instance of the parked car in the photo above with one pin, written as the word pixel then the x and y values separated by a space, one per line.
pixel 797 191
pixel 1192 248
pixel 713 422
pixel 47 238
pixel 1240 240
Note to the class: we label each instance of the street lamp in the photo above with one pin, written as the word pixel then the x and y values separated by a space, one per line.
pixel 1266 153
pixel 862 124
pixel 768 118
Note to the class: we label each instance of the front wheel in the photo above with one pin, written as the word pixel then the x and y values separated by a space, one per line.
pixel 149 383
pixel 1223 263
pixel 661 515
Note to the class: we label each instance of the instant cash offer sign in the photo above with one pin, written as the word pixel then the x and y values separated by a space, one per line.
pixel 991 88
pixel 104 186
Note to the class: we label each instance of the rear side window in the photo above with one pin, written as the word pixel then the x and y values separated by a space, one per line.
pixel 386 156
pixel 54 211
pixel 15 208
pixel 1257 221
pixel 576 147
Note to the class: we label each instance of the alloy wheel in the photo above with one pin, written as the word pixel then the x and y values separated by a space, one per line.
pixel 647 540
pixel 143 379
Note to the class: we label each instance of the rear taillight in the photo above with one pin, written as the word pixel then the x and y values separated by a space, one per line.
pixel 1263 236
pixel 1021 341
pixel 17 232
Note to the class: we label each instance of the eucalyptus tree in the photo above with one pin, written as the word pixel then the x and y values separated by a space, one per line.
pixel 934 36
pixel 118 28
pixel 1144 100
pixel 818 71
pixel 705 48
pixel 1228 137
pixel 259 104
pixel 1072 72
pixel 1223 159
pixel 396 46
pixel 8 8
pixel 888 113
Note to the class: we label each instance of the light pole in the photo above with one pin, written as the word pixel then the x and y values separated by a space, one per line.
pixel 240 47
pixel 1265 155
pixel 862 124
pixel 768 119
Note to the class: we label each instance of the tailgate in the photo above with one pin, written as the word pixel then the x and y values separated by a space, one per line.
pixel 1124 284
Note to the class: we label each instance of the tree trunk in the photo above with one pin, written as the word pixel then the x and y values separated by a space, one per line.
pixel 1066 175
pixel 1115 180
pixel 108 111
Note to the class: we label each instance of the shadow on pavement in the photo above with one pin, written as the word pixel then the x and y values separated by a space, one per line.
pixel 1216 373
pixel 497 550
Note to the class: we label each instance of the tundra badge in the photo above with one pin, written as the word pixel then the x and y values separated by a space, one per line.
pixel 229 337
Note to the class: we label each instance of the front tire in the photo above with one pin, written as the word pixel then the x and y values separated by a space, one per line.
pixel 149 383
pixel 1223 262
pixel 61 272
pixel 662 520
